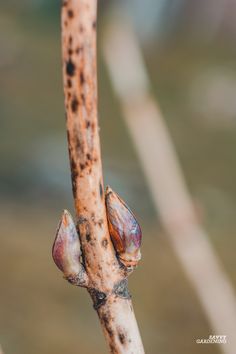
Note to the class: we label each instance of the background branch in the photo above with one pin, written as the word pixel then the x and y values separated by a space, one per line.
pixel 166 181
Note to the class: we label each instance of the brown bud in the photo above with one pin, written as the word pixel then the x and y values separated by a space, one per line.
pixel 124 229
pixel 66 251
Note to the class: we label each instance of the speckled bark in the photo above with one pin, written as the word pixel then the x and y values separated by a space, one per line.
pixel 106 285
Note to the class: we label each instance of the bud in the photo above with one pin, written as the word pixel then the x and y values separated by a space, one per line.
pixel 124 229
pixel 66 251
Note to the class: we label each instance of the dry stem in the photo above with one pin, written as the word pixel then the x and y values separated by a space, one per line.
pixel 107 282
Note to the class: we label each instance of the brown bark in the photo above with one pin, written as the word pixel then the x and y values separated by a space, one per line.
pixel 106 276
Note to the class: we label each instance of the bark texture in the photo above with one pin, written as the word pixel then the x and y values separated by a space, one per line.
pixel 107 283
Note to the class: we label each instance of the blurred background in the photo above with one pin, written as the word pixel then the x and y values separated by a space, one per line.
pixel 190 53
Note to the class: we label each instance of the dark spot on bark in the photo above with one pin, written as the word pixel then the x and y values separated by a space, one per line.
pixel 81 78
pixel 104 243
pixel 81 28
pixel 65 23
pixel 113 349
pixel 69 83
pixel 70 68
pixel 74 188
pixel 121 337
pixel 74 175
pixel 88 157
pixel 64 3
pixel 74 105
pixel 94 25
pixel 106 321
pixel 82 166
pixel 73 168
pixel 78 50
pixel 83 228
pixel 69 95
pixel 81 220
pixel 83 98
pixel 70 40
pixel 70 52
pixel 88 237
pixel 70 13
pixel 87 124
pixel 99 298
pixel 87 232
pixel 100 190
pixel 100 222
pixel 78 143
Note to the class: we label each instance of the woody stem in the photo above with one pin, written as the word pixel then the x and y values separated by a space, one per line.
pixel 107 280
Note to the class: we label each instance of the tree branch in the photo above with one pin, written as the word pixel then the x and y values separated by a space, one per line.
pixel 91 260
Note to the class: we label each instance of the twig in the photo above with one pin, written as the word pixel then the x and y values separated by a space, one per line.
pixel 90 260
pixel 166 181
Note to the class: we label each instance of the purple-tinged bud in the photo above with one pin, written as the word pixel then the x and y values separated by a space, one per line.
pixel 124 229
pixel 66 251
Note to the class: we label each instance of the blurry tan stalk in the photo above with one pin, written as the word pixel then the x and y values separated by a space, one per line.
pixel 106 278
pixel 166 181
